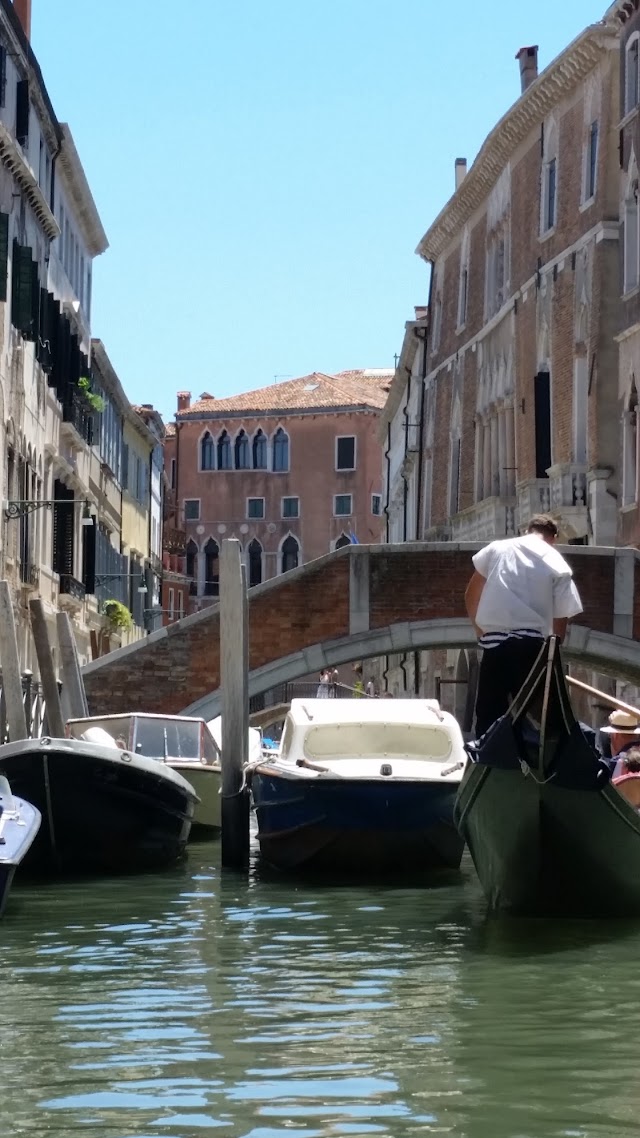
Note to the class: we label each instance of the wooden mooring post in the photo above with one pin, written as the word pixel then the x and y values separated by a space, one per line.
pixel 74 695
pixel 48 678
pixel 234 679
pixel 10 662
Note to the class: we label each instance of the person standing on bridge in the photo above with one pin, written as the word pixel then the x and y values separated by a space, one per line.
pixel 521 592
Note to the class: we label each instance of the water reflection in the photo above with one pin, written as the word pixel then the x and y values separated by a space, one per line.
pixel 193 1002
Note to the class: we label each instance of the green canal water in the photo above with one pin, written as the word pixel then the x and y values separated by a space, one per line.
pixel 195 1003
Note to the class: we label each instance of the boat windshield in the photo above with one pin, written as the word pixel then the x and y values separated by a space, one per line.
pixel 104 732
pixel 377 740
pixel 167 738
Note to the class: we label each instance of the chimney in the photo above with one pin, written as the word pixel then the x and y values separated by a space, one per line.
pixel 23 12
pixel 420 310
pixel 184 400
pixel 528 57
pixel 461 171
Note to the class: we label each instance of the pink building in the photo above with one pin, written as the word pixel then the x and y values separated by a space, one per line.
pixel 293 471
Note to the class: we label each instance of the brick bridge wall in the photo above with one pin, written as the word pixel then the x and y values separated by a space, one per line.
pixel 358 589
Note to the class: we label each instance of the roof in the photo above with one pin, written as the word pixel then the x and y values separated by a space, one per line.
pixel 169 430
pixel 363 710
pixel 563 74
pixel 360 387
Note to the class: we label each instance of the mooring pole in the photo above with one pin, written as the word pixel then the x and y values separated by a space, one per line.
pixel 48 679
pixel 234 673
pixel 11 675
pixel 73 686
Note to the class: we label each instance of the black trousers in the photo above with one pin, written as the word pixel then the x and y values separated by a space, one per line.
pixel 503 670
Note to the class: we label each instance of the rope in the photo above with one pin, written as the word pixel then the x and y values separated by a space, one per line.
pixel 527 771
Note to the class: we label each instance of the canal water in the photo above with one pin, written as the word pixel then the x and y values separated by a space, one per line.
pixel 195 1003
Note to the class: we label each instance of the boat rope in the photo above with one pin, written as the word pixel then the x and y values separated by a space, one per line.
pixel 528 771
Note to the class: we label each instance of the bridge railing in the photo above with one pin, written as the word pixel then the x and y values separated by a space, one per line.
pixel 302 689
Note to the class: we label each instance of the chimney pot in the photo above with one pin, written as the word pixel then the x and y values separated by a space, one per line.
pixel 23 12
pixel 528 59
pixel 461 171
pixel 184 400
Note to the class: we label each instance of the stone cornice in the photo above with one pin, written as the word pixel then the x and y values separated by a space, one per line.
pixel 70 170
pixel 622 10
pixel 552 85
pixel 12 157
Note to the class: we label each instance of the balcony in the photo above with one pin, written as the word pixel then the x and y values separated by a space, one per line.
pixel 489 519
pixel 77 420
pixel 563 494
pixel 71 593
pixel 174 540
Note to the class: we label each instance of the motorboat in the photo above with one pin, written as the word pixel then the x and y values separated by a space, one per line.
pixel 105 809
pixel 182 743
pixel 550 834
pixel 19 824
pixel 254 743
pixel 361 785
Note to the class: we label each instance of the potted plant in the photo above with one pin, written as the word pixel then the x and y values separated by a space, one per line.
pixel 96 402
pixel 118 615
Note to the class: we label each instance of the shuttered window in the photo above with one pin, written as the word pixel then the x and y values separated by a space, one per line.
pixel 3 76
pixel 4 253
pixel 22 111
pixel 542 405
pixel 63 529
pixel 89 558
pixel 22 290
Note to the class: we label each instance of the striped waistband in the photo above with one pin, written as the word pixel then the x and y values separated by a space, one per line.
pixel 493 639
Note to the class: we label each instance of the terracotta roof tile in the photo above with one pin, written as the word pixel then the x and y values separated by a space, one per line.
pixel 169 430
pixel 366 387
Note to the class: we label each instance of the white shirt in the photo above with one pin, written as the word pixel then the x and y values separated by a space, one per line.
pixel 528 585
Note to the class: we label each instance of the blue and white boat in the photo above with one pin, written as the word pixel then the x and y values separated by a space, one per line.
pixel 361 785
pixel 19 824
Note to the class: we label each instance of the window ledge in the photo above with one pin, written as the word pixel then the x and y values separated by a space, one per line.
pixel 460 328
pixel 631 293
pixel 629 117
pixel 629 508
pixel 548 233
pixel 587 204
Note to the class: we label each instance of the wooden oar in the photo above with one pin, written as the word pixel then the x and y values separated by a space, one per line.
pixel 610 699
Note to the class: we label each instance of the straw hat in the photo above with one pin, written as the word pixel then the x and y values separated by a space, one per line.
pixel 623 723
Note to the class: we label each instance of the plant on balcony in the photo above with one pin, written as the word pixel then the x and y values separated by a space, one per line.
pixel 118 615
pixel 96 402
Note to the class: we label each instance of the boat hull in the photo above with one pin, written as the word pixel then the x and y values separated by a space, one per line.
pixel 102 811
pixel 358 825
pixel 18 833
pixel 206 782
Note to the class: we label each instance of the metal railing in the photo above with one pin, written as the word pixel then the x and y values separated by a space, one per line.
pixel 303 689
pixel 34 709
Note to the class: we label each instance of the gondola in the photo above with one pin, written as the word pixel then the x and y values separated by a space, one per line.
pixel 548 832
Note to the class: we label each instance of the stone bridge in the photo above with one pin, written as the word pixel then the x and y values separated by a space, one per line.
pixel 358 602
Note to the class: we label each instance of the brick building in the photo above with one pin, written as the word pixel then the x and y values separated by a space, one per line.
pixel 521 373
pixel 292 470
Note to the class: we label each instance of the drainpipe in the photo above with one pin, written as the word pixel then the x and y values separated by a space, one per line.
pixel 406 448
pixel 426 339
pixel 387 455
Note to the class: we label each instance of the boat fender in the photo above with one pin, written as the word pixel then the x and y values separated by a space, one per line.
pixel 386 769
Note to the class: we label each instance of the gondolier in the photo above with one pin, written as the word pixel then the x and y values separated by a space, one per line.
pixel 521 592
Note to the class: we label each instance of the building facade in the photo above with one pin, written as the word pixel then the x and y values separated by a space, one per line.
pixel 520 388
pixel 292 470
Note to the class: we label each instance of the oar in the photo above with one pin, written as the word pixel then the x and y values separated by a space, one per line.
pixel 610 699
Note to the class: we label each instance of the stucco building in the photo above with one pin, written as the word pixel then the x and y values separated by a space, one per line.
pixel 292 470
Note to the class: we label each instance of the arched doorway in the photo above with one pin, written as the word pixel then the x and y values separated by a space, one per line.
pixel 290 554
pixel 211 569
pixel 342 540
pixel 255 562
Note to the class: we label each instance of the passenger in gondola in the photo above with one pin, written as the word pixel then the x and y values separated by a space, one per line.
pixel 623 732
pixel 521 592
pixel 627 780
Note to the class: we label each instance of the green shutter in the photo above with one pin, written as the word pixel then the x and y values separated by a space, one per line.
pixel 4 254
pixel 22 289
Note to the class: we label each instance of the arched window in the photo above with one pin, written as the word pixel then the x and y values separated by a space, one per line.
pixel 207 453
pixel 630 449
pixel 211 569
pixel 631 219
pixel 224 452
pixel 342 540
pixel 290 552
pixel 259 451
pixel 191 563
pixel 548 205
pixel 280 450
pixel 255 562
pixel 242 451
pixel 632 74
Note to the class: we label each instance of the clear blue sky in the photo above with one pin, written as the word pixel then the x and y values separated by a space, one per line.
pixel 264 169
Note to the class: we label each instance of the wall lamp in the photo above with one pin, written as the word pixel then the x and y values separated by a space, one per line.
pixel 21 508
pixel 101 578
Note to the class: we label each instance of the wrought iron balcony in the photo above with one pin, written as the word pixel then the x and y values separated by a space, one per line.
pixel 72 592
pixel 77 414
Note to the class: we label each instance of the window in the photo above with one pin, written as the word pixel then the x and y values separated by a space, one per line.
pixel 463 285
pixel 342 505
pixel 291 507
pixel 436 323
pixel 376 505
pixel 180 604
pixel 343 540
pixel 580 409
pixel 497 278
pixel 172 474
pixel 289 554
pixel 224 452
pixel 22 111
pixel 345 452
pixel 191 509
pixel 255 507
pixel 631 222
pixel 242 452
pixel 632 75
pixel 3 75
pixel 591 162
pixel 207 453
pixel 542 418
pixel 191 558
pixel 171 605
pixel 211 569
pixel 259 451
pixel 255 562
pixel 280 451
pixel 548 207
